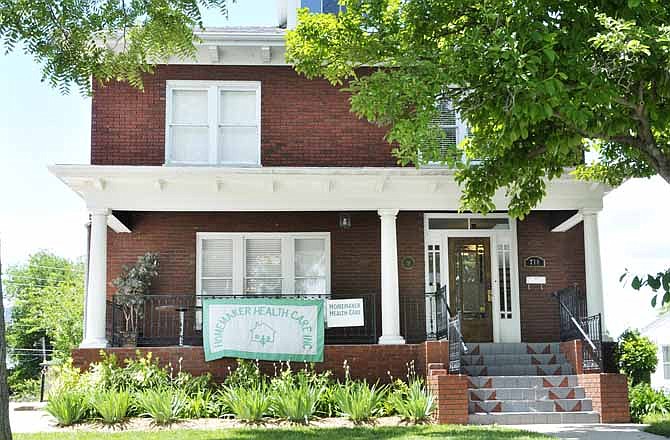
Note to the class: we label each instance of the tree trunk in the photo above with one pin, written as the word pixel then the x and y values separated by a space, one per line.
pixel 5 430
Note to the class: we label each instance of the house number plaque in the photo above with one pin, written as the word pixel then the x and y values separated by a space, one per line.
pixel 534 261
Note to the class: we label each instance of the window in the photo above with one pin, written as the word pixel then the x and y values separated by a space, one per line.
pixel 325 6
pixel 213 123
pixel 454 128
pixel 504 280
pixel 498 223
pixel 263 263
pixel 666 362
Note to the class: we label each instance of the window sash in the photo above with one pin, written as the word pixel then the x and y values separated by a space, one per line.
pixel 214 91
pixel 287 278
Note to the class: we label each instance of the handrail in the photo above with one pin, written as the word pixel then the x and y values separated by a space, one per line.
pixel 574 321
pixel 464 347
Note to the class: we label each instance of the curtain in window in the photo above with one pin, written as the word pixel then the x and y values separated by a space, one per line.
pixel 263 265
pixel 310 265
pixel 217 266
pixel 189 127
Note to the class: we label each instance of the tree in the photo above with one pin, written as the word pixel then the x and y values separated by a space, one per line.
pixel 540 83
pixel 47 295
pixel 77 40
pixel 5 429
pixel 637 356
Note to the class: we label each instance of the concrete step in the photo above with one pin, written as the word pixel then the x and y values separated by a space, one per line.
pixel 558 405
pixel 558 381
pixel 531 418
pixel 514 348
pixel 513 359
pixel 526 393
pixel 517 370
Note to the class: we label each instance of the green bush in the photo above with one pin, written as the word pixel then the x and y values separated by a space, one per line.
pixel 645 401
pixel 25 390
pixel 358 401
pixel 637 356
pixel 202 404
pixel 67 407
pixel 111 406
pixel 295 396
pixel 163 405
pixel 412 401
pixel 249 404
pixel 246 374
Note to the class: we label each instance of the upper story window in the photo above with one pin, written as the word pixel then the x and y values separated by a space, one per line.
pixel 213 123
pixel 449 121
pixel 325 6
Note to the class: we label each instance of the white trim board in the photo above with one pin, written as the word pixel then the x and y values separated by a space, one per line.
pixel 207 188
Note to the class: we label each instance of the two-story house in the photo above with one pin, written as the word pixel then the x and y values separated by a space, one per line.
pixel 250 179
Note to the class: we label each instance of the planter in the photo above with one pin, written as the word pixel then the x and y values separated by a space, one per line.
pixel 128 339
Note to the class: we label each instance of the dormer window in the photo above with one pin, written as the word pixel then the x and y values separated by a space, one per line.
pixel 213 123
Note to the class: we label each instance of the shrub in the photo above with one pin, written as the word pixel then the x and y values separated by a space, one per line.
pixel 163 406
pixel 358 401
pixel 412 401
pixel 67 407
pixel 637 356
pixel 295 397
pixel 202 404
pixel 249 404
pixel 645 401
pixel 138 374
pixel 111 406
pixel 246 374
pixel 25 390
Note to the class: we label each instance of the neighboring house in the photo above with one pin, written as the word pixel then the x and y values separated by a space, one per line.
pixel 250 179
pixel 659 332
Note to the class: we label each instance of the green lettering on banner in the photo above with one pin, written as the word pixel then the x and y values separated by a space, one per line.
pixel 264 328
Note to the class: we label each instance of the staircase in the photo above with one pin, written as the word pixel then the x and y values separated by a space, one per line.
pixel 512 384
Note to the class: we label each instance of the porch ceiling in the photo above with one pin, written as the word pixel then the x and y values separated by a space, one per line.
pixel 156 188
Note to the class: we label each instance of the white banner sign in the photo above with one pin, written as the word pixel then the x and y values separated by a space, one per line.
pixel 264 329
pixel 345 313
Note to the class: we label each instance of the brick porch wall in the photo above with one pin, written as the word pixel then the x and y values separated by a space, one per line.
pixel 370 362
pixel 304 122
pixel 609 394
pixel 564 256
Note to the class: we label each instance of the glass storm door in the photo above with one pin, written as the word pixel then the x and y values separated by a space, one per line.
pixel 470 286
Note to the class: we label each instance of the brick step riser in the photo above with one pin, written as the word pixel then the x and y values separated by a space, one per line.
pixel 514 359
pixel 526 393
pixel 515 406
pixel 562 381
pixel 533 418
pixel 518 370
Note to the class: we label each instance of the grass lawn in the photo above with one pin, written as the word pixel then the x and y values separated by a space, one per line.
pixel 659 425
pixel 396 433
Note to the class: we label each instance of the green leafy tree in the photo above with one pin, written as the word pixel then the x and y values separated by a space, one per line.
pixel 540 83
pixel 76 40
pixel 47 295
pixel 637 357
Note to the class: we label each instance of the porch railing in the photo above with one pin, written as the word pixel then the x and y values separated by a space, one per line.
pixel 171 319
pixel 576 324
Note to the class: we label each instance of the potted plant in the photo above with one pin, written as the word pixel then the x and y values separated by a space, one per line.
pixel 131 287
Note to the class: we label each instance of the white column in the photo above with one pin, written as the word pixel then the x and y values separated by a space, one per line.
pixel 96 300
pixel 390 292
pixel 594 277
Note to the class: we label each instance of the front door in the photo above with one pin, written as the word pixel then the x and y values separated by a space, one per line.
pixel 470 286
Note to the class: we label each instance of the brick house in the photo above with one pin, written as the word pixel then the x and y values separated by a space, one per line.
pixel 250 179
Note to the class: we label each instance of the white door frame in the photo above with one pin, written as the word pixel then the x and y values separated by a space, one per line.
pixel 504 330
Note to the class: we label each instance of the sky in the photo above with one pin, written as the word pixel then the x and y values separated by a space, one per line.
pixel 40 127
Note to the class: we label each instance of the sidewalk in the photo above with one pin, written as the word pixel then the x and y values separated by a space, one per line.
pixel 27 417
pixel 593 432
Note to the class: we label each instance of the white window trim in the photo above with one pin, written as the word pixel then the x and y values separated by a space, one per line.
pixel 213 88
pixel 239 264
pixel 665 362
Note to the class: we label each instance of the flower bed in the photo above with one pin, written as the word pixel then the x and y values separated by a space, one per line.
pixel 110 392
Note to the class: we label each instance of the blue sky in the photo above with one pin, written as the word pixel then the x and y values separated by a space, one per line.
pixel 39 127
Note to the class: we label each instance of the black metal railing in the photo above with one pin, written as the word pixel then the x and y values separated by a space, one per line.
pixel 576 324
pixel 438 314
pixel 456 344
pixel 174 319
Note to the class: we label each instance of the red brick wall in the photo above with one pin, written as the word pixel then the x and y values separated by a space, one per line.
pixel 355 252
pixel 564 256
pixel 451 395
pixel 609 394
pixel 572 350
pixel 303 122
pixel 371 362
